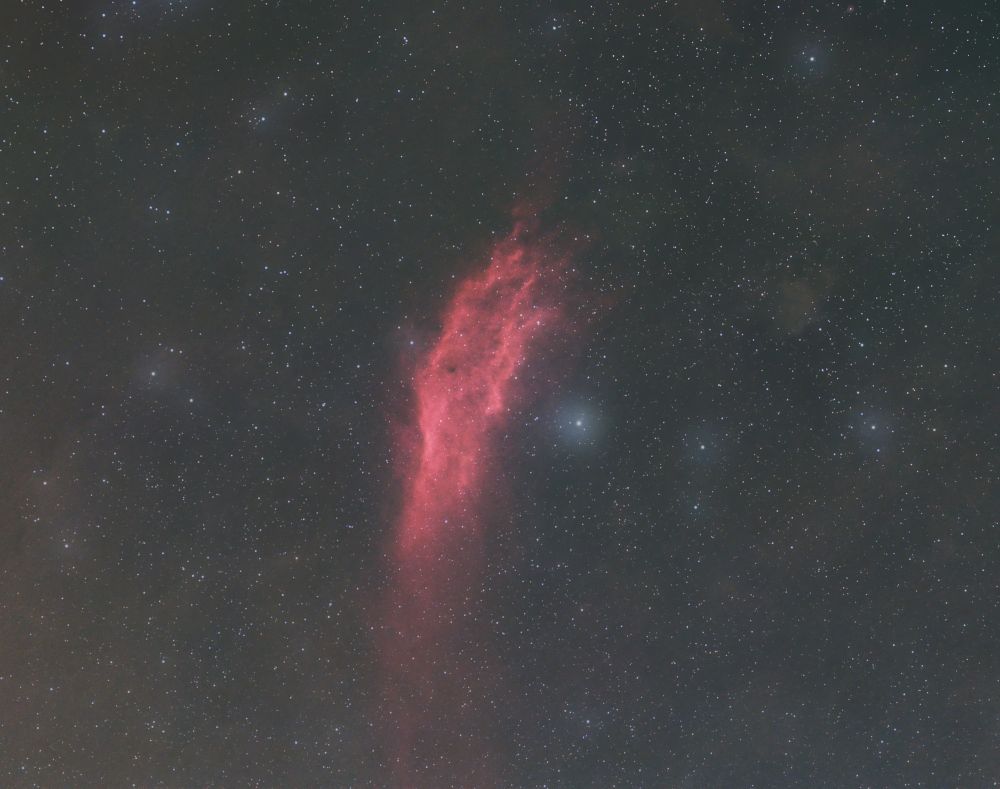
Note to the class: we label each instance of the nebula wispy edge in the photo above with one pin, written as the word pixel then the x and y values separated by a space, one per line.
pixel 439 677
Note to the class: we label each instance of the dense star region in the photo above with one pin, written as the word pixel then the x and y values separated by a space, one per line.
pixel 439 675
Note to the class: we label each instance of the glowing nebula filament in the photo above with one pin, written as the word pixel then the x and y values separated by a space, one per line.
pixel 464 390
pixel 466 385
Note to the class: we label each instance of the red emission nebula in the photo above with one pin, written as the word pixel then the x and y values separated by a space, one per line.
pixel 440 679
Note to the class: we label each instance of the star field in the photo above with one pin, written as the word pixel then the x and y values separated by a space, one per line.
pixel 738 528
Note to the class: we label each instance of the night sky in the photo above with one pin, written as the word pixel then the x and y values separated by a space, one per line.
pixel 499 394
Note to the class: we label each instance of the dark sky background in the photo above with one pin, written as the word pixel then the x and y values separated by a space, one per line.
pixel 766 556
